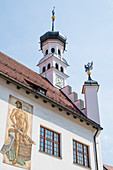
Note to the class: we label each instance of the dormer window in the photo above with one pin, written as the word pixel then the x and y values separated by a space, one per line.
pixel 52 50
pixel 59 53
pixel 48 67
pixel 61 69
pixel 44 69
pixel 36 88
pixel 56 66
pixel 46 52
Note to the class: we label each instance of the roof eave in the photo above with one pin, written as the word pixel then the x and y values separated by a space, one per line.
pixel 94 124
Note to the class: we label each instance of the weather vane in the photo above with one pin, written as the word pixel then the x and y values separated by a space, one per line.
pixel 53 18
pixel 89 67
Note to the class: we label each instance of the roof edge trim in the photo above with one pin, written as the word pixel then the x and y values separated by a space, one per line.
pixel 94 124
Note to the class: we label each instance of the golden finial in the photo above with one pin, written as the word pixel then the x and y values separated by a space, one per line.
pixel 53 17
pixel 89 72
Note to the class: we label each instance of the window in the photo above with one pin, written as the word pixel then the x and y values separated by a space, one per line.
pixel 36 87
pixel 59 52
pixel 44 69
pixel 49 141
pixel 52 50
pixel 42 91
pixel 80 153
pixel 56 66
pixel 46 52
pixel 48 67
pixel 61 69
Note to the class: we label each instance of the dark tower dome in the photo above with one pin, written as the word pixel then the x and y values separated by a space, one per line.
pixel 53 35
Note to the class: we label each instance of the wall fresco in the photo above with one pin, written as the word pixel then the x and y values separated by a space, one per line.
pixel 18 142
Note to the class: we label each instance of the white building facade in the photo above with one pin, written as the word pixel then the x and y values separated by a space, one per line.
pixel 45 115
pixel 43 125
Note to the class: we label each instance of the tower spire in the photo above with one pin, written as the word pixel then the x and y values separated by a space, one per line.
pixel 53 66
pixel 53 18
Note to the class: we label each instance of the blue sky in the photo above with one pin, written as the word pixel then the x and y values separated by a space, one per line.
pixel 88 26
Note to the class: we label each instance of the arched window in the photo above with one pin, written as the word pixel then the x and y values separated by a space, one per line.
pixel 52 50
pixel 61 69
pixel 46 52
pixel 59 53
pixel 56 66
pixel 48 66
pixel 44 69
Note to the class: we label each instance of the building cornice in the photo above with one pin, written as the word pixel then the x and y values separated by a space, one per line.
pixel 49 57
pixel 53 68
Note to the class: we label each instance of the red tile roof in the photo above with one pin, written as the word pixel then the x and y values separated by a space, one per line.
pixel 108 167
pixel 20 73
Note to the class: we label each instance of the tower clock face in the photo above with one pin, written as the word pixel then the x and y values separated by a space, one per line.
pixel 59 81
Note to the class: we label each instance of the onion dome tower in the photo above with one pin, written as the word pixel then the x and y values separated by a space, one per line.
pixel 53 66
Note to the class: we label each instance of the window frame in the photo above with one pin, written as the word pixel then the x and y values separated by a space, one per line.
pixel 43 69
pixel 59 52
pixel 81 152
pixel 62 69
pixel 48 66
pixel 50 140
pixel 57 66
pixel 46 52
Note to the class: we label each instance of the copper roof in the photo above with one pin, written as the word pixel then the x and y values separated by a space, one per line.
pixel 20 74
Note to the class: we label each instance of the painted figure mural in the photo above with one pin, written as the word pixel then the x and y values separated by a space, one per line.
pixel 18 143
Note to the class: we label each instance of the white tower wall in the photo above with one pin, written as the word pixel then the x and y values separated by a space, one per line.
pixel 91 102
pixel 53 58
pixel 56 44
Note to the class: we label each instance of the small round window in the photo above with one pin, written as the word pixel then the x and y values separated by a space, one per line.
pixel 52 50
pixel 59 53
pixel 46 52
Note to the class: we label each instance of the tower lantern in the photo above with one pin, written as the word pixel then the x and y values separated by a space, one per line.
pixel 53 66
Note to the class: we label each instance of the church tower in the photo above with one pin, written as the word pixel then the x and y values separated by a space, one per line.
pixel 53 66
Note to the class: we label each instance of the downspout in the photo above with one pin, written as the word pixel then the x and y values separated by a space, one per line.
pixel 96 148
